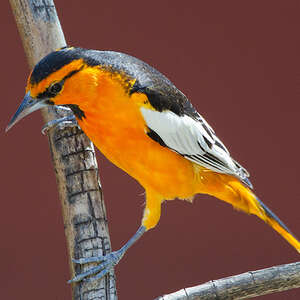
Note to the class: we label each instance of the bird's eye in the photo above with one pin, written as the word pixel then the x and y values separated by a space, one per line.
pixel 55 88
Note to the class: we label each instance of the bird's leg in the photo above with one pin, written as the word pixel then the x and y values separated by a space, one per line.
pixel 108 261
pixel 68 121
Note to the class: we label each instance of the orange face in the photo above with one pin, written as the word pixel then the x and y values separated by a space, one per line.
pixel 73 79
pixel 75 83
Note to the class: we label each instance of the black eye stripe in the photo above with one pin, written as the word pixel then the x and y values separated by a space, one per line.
pixel 55 88
pixel 51 91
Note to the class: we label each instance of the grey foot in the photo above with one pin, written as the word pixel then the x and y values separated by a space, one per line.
pixel 68 121
pixel 107 262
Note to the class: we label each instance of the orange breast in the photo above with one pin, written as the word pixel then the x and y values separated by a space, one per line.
pixel 115 125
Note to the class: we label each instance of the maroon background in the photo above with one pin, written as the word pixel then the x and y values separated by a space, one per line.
pixel 238 62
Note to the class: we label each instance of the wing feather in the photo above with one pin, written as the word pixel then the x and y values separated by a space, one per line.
pixel 194 139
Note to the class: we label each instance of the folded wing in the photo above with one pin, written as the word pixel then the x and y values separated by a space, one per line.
pixel 190 136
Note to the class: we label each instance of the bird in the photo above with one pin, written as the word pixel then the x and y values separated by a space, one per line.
pixel 148 128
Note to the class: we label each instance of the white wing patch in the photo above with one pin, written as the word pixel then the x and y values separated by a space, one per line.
pixel 195 140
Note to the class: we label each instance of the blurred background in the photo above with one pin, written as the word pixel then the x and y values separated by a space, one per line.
pixel 238 63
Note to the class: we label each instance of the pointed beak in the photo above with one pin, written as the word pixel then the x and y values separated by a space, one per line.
pixel 27 106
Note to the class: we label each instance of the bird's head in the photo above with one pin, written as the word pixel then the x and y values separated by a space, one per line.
pixel 68 77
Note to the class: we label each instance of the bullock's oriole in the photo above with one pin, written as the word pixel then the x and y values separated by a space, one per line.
pixel 143 124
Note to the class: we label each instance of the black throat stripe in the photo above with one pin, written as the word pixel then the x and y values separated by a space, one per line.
pixel 77 111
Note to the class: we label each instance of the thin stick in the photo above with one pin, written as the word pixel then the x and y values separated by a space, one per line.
pixel 243 286
pixel 73 157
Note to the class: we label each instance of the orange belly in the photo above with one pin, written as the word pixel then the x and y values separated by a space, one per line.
pixel 155 167
pixel 115 125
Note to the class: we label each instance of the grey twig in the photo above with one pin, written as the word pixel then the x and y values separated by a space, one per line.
pixel 243 286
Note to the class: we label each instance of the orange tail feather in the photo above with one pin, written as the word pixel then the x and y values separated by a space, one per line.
pixel 242 198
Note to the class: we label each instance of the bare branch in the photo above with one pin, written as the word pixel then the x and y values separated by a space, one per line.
pixel 244 286
pixel 73 156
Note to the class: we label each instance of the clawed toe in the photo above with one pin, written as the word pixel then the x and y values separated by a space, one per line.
pixel 68 121
pixel 107 263
pixel 83 275
pixel 98 276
